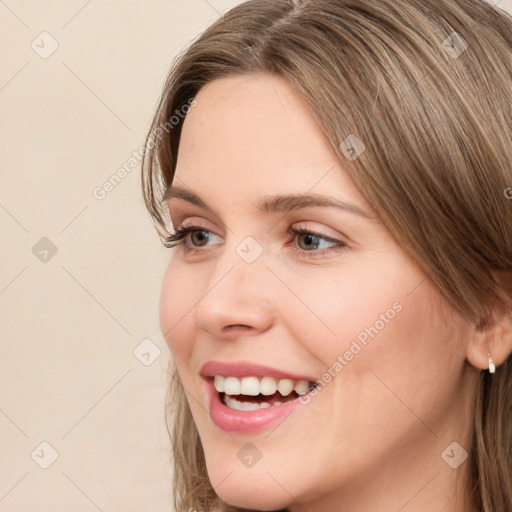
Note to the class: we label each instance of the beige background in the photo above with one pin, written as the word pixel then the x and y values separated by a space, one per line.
pixel 74 375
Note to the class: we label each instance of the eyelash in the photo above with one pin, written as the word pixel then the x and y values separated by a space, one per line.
pixel 181 233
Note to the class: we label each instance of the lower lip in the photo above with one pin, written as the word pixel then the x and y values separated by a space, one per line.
pixel 231 420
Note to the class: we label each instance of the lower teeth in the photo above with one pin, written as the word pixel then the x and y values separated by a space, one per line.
pixel 233 403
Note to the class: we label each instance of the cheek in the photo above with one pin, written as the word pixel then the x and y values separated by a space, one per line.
pixel 342 305
pixel 375 318
pixel 371 327
pixel 177 297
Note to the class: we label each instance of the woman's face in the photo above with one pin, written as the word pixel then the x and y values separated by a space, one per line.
pixel 339 303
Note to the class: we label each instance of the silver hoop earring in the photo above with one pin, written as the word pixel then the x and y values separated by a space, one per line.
pixel 492 366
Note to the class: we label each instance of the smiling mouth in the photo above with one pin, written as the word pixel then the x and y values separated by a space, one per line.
pixel 253 393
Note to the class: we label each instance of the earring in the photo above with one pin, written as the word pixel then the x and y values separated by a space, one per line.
pixel 492 366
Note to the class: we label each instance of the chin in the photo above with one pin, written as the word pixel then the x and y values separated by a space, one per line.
pixel 248 490
pixel 240 499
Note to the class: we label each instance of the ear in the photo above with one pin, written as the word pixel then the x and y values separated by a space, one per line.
pixel 492 335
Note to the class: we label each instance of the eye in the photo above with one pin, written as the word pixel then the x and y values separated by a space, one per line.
pixel 303 243
pixel 199 237
pixel 308 241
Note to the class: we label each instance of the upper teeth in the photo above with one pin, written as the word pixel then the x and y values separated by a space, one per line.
pixel 253 386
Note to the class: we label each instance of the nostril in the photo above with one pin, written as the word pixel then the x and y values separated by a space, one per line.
pixel 234 329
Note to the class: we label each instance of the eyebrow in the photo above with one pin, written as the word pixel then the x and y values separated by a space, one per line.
pixel 272 204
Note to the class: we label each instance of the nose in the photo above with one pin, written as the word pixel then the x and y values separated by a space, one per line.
pixel 237 301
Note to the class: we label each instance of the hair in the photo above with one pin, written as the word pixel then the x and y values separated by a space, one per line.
pixel 436 124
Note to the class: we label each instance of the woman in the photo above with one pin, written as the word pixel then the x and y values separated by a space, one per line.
pixel 339 299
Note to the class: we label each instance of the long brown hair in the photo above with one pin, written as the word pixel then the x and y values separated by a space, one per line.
pixel 426 85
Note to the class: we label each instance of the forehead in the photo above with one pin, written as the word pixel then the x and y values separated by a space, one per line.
pixel 255 134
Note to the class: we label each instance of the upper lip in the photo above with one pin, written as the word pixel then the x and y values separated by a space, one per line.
pixel 247 369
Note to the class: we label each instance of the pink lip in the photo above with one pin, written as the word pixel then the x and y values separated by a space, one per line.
pixel 246 422
pixel 246 369
pixel 231 420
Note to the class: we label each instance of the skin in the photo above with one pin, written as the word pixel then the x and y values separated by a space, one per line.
pixel 372 439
